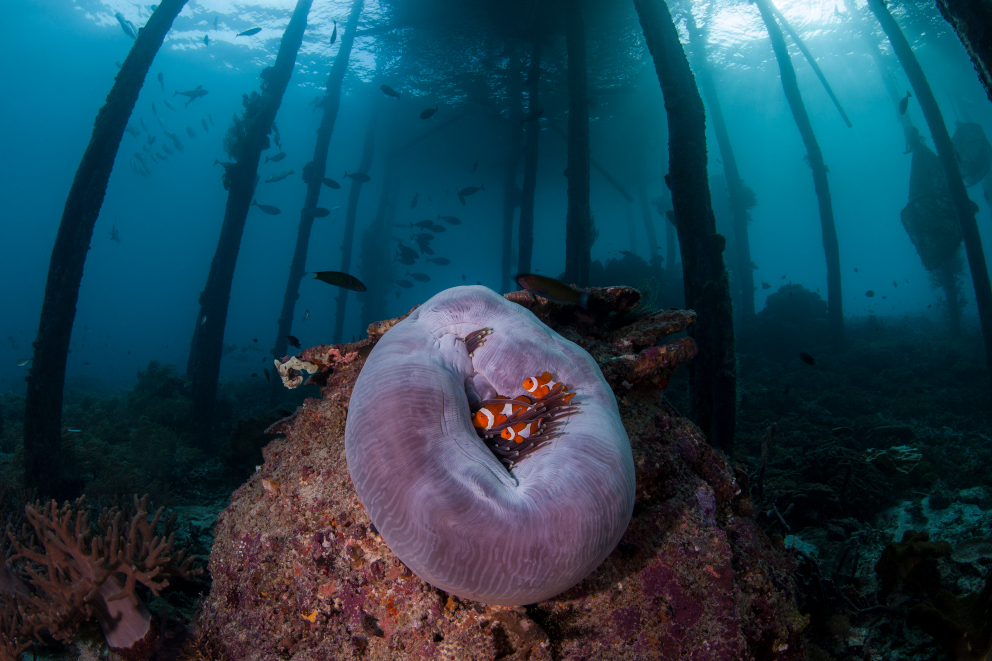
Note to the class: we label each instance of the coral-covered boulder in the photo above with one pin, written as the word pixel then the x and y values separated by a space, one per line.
pixel 300 572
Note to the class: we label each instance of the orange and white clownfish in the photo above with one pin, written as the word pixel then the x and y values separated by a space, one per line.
pixel 488 416
pixel 540 386
pixel 521 431
pixel 510 409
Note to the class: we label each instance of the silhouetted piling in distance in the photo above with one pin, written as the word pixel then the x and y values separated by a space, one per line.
pixel 971 20
pixel 203 366
pixel 735 187
pixel 532 132
pixel 46 380
pixel 831 249
pixel 963 205
pixel 313 175
pixel 510 192
pixel 811 60
pixel 375 261
pixel 713 372
pixel 354 193
pixel 649 230
pixel 578 223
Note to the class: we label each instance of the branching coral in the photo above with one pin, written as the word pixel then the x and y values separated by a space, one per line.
pixel 77 570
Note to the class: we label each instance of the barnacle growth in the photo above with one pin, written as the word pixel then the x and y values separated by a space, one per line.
pixel 441 499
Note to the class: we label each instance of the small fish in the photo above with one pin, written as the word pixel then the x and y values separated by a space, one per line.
pixel 389 91
pixel 193 94
pixel 765 285
pixel 440 261
pixel 118 64
pixel 334 34
pixel 23 361
pixel 277 177
pixel 423 224
pixel 203 123
pixel 316 212
pixel 267 377
pixel 339 279
pixel 73 431
pixel 190 132
pixel 267 208
pixel 306 315
pixel 255 340
pixel 855 269
pixel 427 114
pixel 203 320
pixel 154 111
pixel 436 228
pixel 783 277
pixel 206 40
pixel 413 202
pixel 168 105
pixel 552 289
pixel 422 277
pixel 215 22
pixel 627 253
pixel 275 159
pixel 895 284
pixel 249 32
pixel 405 284
pixel 806 358
pixel 451 220
pixel 161 80
pixel 167 149
pixel 277 139
pixel 870 293
pixel 225 164
pixel 475 166
pixel 151 139
pixel 330 183
pixel 358 176
pixel 86 362
pixel 211 118
pixel 904 103
pixel 293 342
pixel 254 373
pixel 133 131
pixel 469 190
pixel 533 115
pixel 126 25
pixel 142 121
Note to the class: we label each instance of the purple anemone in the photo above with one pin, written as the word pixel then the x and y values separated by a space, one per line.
pixel 441 499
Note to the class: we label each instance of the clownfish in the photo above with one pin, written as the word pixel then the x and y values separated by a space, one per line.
pixel 488 416
pixel 521 431
pixel 510 409
pixel 541 386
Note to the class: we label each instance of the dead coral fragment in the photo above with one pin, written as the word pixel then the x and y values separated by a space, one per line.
pixel 653 366
pixel 315 360
pixel 290 371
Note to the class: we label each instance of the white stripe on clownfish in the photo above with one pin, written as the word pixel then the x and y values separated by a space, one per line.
pixel 521 431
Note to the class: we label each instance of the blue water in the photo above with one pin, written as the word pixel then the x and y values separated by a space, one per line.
pixel 138 299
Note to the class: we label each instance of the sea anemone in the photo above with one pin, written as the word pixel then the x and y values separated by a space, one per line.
pixel 439 496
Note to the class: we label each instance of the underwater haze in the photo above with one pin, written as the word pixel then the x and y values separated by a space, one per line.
pixel 138 299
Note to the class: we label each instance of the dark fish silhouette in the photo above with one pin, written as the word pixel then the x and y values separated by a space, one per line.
pixel 422 277
pixel 316 212
pixel 271 179
pixel 469 190
pixel 437 229
pixel 440 261
pixel 475 166
pixel 413 202
pixel 267 208
pixel 167 104
pixel 211 118
pixel 339 279
pixel 126 25
pixel 423 224
pixel 248 33
pixel 358 176
pixel 451 220
pixel 267 377
pixel 427 114
pixel 203 123
pixel 206 40
pixel 293 342
pixel 553 290
pixel 161 80
pixel 389 91
pixel 334 34
pixel 151 139
pixel 154 111
pixel 193 94
pixel 275 159
pixel 904 103
pixel 330 183
pixel 189 132
pixel 405 284
pixel 806 358
pixel 765 285
pixel 870 293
